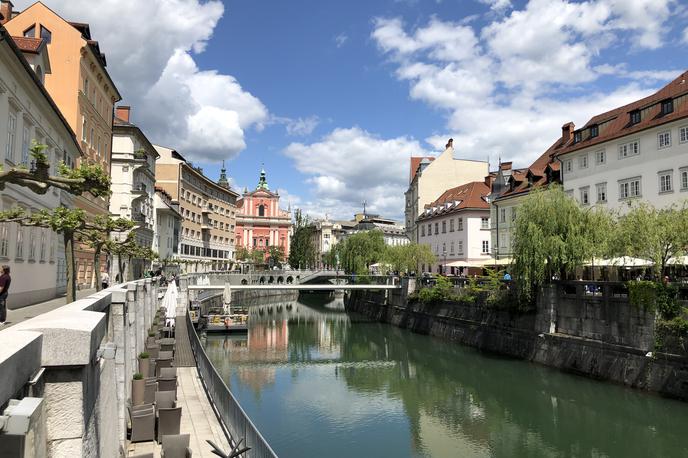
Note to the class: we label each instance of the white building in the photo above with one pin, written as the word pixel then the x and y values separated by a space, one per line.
pixel 430 177
pixel 456 227
pixel 167 226
pixel 27 112
pixel 635 152
pixel 393 233
pixel 133 188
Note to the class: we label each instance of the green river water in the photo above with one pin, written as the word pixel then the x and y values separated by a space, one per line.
pixel 320 383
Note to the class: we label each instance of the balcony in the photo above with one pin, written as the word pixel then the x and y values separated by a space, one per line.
pixel 206 226
pixel 207 209
pixel 139 189
pixel 138 218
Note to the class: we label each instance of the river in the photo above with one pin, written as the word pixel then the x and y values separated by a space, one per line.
pixel 320 383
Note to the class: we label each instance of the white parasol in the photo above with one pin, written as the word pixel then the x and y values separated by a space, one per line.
pixel 169 301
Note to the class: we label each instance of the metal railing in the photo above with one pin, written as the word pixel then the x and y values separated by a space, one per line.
pixel 232 415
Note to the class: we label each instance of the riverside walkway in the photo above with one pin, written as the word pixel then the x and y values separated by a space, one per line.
pixel 198 417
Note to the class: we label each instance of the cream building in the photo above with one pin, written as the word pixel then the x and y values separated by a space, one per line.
pixel 84 92
pixel 430 177
pixel 208 209
pixel 27 112
pixel 167 226
pixel 456 227
pixel 632 153
pixel 133 189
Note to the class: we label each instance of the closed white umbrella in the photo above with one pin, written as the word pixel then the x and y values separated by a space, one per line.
pixel 169 301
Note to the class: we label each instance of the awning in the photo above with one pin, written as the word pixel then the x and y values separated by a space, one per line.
pixel 624 261
pixel 475 263
pixel 678 261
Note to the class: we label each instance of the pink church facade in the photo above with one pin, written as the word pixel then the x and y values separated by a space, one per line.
pixel 260 222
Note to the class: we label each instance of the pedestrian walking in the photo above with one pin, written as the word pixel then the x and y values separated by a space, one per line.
pixel 104 280
pixel 5 281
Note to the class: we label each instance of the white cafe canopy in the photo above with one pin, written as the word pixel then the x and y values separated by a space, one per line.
pixel 624 261
pixel 678 261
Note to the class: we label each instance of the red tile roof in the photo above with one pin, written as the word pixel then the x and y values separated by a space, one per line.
pixel 415 162
pixel 618 120
pixel 519 181
pixel 26 44
pixel 469 195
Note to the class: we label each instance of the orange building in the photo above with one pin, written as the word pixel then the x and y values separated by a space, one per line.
pixel 260 222
pixel 83 91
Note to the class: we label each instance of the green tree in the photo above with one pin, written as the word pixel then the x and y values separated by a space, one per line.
pixel 85 178
pixel 654 234
pixel 553 236
pixel 302 249
pixel 360 250
pixel 276 254
pixel 242 254
pixel 98 235
pixel 407 258
pixel 68 222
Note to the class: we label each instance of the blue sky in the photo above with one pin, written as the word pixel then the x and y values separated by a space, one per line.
pixel 333 97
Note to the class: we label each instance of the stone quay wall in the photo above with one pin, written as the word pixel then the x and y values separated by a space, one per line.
pixel 599 336
pixel 78 360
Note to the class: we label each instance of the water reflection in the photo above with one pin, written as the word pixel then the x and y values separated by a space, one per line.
pixel 318 382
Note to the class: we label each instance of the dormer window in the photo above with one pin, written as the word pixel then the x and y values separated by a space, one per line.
pixel 30 32
pixel 46 35
pixel 594 131
pixel 635 116
pixel 577 136
pixel 667 106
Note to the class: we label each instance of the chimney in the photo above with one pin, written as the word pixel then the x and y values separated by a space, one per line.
pixel 567 131
pixel 488 180
pixel 6 11
pixel 122 112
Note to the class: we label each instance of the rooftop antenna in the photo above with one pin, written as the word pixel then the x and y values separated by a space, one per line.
pixel 364 208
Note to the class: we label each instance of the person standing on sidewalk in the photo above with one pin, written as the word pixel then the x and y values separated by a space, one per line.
pixel 104 280
pixel 5 281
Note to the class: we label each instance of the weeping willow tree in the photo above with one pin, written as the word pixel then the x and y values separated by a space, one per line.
pixel 553 235
pixel 358 251
pixel 407 258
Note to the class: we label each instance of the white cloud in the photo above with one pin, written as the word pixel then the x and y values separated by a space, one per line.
pixel 509 87
pixel 150 51
pixel 302 126
pixel 497 5
pixel 341 39
pixel 348 166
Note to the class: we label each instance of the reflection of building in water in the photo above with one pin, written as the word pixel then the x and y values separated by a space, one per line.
pixel 268 341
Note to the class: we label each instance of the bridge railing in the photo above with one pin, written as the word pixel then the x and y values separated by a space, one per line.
pixel 232 415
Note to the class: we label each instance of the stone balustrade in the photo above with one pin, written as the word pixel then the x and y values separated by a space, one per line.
pixel 80 359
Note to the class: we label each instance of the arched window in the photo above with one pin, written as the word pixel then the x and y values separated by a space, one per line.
pixel 261 210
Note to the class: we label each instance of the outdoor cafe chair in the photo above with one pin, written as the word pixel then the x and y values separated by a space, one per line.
pixel 168 372
pixel 168 384
pixel 149 390
pixel 169 420
pixel 142 424
pixel 164 400
pixel 175 446
pixel 161 364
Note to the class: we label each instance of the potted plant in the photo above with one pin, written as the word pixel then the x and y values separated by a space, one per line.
pixel 138 386
pixel 151 337
pixel 144 364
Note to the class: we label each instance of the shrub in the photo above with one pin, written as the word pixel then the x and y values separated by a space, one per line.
pixel 138 376
pixel 642 293
pixel 144 355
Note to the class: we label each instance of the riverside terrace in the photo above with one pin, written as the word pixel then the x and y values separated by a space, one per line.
pixel 71 369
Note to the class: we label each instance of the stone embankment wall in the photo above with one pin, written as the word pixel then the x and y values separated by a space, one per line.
pixel 79 360
pixel 601 336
